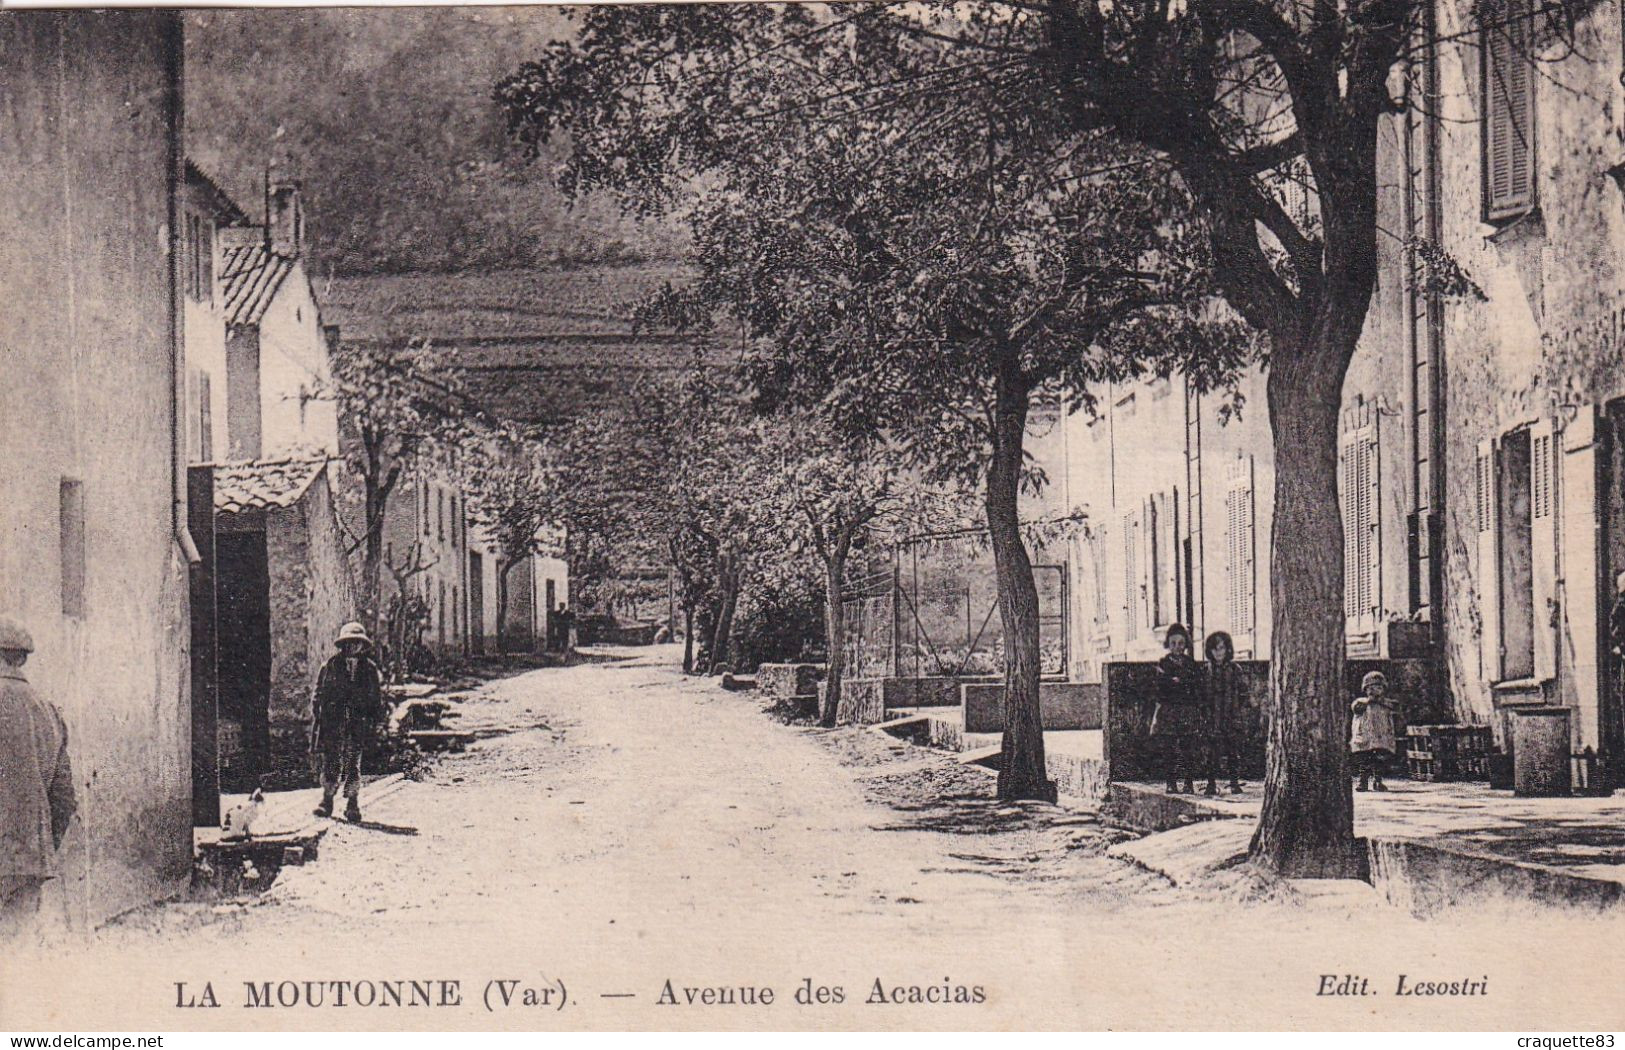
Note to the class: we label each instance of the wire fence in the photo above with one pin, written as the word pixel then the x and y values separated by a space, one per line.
pixel 936 613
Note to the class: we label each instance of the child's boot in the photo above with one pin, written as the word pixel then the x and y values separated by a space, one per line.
pixel 1190 788
pixel 1212 788
pixel 1364 784
pixel 1235 786
pixel 1378 785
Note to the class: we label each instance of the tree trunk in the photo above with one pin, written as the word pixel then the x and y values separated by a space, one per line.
pixel 372 560
pixel 725 614
pixel 502 609
pixel 1306 829
pixel 1022 772
pixel 834 635
pixel 688 639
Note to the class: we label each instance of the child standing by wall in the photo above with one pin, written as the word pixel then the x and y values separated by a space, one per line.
pixel 1371 738
pixel 1226 707
pixel 1176 722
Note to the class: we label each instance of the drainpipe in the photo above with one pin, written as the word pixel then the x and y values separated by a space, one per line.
pixel 175 63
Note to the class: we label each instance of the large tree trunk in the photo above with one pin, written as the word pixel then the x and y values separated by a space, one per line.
pixel 725 614
pixel 502 610
pixel 834 635
pixel 1022 772
pixel 1306 828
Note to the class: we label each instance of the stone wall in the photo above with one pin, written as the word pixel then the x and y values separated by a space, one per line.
pixel 312 596
pixel 1062 705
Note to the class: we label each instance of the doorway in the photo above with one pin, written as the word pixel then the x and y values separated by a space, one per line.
pixel 243 594
pixel 1611 558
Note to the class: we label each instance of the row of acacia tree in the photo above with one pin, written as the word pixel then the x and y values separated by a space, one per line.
pixel 925 215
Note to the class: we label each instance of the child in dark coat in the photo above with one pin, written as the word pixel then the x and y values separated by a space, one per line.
pixel 1226 708
pixel 1176 723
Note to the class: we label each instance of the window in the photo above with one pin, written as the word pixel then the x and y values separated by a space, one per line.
pixel 1508 109
pixel 199 257
pixel 427 527
pixel 440 511
pixel 205 419
pixel 72 543
pixel 1240 578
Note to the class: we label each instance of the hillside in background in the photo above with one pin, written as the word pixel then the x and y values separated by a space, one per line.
pixel 543 346
pixel 386 117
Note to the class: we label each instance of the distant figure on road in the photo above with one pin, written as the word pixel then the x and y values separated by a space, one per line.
pixel 36 785
pixel 1371 736
pixel 1221 688
pixel 1176 723
pixel 345 713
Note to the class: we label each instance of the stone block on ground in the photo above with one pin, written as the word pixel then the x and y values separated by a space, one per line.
pixel 789 679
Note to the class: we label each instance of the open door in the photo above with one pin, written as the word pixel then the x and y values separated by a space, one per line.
pixel 205 651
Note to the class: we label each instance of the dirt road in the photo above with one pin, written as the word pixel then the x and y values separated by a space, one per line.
pixel 631 828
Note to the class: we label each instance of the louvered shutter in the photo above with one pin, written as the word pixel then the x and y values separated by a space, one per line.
pixel 1508 109
pixel 1543 544
pixel 1240 578
pixel 1489 562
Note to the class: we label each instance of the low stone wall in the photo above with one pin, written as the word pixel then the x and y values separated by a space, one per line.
pixel 863 701
pixel 1130 697
pixel 938 691
pixel 1062 705
pixel 788 679
pixel 1078 777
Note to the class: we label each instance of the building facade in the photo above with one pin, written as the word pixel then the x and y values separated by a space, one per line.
pixel 92 449
pixel 1482 466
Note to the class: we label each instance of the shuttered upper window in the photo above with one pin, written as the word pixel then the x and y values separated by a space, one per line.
pixel 1509 109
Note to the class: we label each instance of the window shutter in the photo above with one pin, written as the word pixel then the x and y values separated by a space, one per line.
pixel 1543 544
pixel 205 403
pixel 1131 572
pixel 1238 510
pixel 1489 564
pixel 1508 107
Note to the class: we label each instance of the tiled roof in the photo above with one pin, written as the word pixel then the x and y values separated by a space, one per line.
pixel 251 275
pixel 264 483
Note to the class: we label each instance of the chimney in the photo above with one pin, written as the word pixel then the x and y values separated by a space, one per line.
pixel 330 334
pixel 285 219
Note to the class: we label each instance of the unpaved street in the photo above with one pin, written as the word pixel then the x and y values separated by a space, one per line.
pixel 630 826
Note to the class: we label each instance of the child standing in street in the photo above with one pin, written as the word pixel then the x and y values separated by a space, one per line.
pixel 1371 738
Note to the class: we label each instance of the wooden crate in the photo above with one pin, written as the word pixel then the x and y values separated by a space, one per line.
pixel 1448 752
